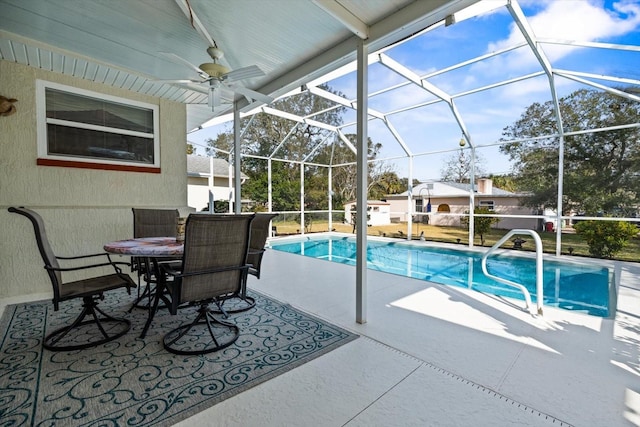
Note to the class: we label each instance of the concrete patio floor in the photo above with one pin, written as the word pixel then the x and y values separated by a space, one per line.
pixel 434 355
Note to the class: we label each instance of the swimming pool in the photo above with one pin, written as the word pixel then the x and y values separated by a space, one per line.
pixel 568 285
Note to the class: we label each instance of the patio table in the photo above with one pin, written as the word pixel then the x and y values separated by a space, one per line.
pixel 154 247
pixel 154 250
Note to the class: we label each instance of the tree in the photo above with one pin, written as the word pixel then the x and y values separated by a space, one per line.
pixel 601 169
pixel 505 182
pixel 380 179
pixel 481 224
pixel 266 136
pixel 457 167
pixel 386 183
pixel 190 149
pixel 404 184
pixel 221 146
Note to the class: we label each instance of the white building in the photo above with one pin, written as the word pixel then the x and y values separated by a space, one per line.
pixel 209 180
pixel 379 212
pixel 445 202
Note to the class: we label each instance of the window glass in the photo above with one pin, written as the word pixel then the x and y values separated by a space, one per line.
pixel 486 204
pixel 77 108
pixel 81 126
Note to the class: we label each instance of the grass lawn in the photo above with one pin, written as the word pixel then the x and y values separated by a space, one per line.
pixel 451 235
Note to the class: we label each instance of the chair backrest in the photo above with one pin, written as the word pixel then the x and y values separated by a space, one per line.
pixel 260 230
pixel 44 247
pixel 154 222
pixel 214 242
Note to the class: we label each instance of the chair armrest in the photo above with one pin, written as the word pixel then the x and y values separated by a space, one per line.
pixel 109 262
pixel 85 256
pixel 175 273
pixel 168 269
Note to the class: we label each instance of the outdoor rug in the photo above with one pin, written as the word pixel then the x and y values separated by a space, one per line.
pixel 135 382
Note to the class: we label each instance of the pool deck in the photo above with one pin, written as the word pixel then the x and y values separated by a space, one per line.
pixel 434 355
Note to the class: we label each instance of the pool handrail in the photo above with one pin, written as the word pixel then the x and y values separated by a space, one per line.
pixel 539 268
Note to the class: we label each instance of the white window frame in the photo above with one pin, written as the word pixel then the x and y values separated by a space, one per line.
pixel 43 121
pixel 489 204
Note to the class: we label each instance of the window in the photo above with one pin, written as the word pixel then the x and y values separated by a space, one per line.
pixel 79 128
pixel 486 204
pixel 444 208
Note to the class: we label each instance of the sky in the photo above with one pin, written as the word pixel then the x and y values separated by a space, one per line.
pixel 433 129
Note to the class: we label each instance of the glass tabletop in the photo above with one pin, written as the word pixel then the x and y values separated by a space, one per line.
pixel 146 246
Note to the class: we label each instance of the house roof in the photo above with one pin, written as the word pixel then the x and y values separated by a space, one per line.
pixel 369 202
pixel 201 166
pixel 132 44
pixel 451 189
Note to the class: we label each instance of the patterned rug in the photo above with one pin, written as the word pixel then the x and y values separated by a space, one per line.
pixel 133 381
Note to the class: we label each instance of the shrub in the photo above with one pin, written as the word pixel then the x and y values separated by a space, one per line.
pixel 605 238
pixel 308 222
pixel 481 225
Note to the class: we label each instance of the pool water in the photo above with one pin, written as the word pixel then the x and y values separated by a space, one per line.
pixel 567 285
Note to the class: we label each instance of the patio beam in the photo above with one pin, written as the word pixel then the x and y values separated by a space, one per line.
pixel 345 17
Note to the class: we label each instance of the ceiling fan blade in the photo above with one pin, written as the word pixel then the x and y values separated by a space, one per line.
pixel 252 94
pixel 244 73
pixel 177 59
pixel 226 94
pixel 185 81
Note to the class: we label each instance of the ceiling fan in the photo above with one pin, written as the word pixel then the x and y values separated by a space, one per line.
pixel 221 79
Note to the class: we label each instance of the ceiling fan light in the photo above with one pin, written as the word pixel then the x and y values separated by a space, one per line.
pixel 213 69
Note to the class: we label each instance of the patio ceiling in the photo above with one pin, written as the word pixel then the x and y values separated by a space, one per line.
pixel 123 43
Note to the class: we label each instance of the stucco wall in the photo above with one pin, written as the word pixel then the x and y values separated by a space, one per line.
pixel 82 208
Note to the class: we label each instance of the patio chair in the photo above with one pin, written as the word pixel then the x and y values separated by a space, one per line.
pixel 154 222
pixel 100 327
pixel 258 238
pixel 259 233
pixel 213 270
pixel 150 223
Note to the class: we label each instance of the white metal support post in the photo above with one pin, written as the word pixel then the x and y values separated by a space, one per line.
pixel 410 202
pixel 270 185
pixel 230 195
pixel 527 32
pixel 330 197
pixel 210 185
pixel 236 159
pixel 302 220
pixel 472 194
pixel 361 184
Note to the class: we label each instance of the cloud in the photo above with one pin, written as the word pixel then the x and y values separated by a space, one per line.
pixel 577 20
